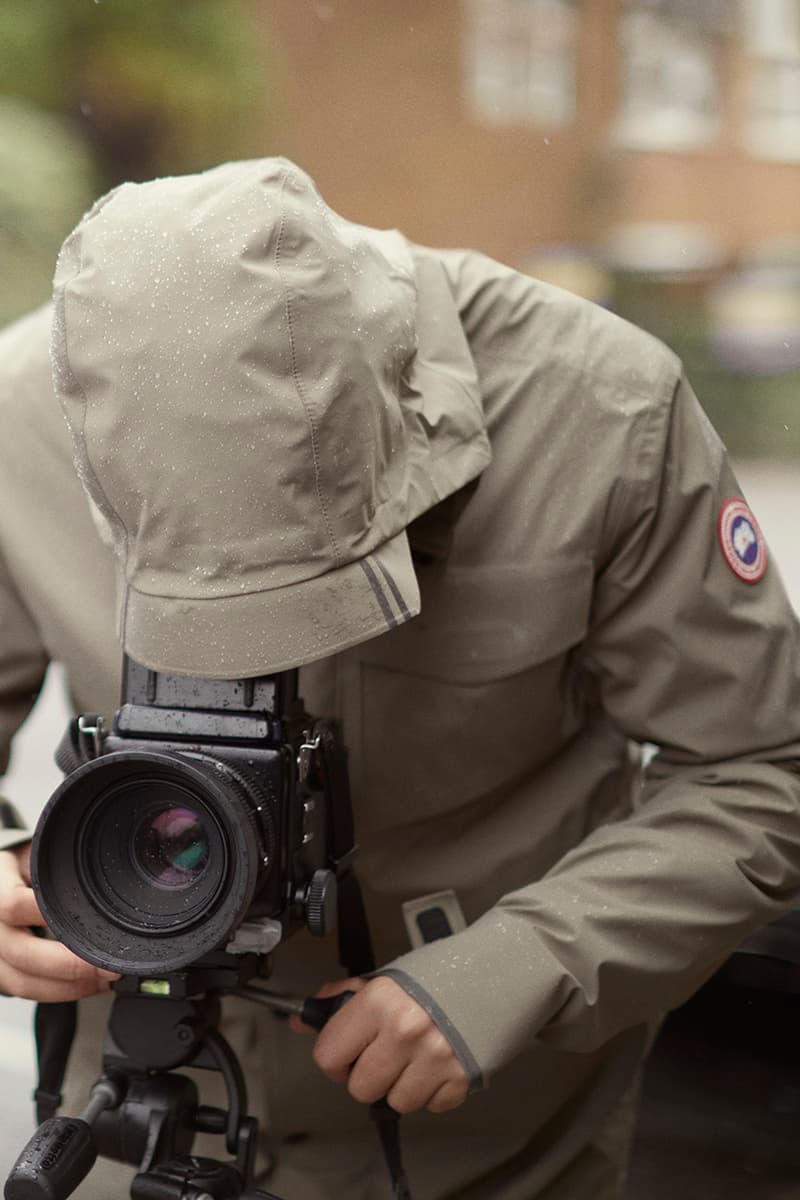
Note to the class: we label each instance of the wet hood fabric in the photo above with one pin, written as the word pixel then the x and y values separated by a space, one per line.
pixel 262 397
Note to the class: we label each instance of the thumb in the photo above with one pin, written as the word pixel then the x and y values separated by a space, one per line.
pixel 333 988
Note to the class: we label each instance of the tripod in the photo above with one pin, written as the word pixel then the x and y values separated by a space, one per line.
pixel 143 1113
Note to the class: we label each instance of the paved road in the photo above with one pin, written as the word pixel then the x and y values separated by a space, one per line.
pixel 774 493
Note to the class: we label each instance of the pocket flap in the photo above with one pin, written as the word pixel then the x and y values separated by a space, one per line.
pixel 482 624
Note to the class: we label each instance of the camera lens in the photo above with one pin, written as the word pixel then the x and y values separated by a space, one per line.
pixel 145 861
pixel 171 846
pixel 152 853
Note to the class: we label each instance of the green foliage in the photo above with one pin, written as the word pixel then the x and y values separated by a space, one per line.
pixel 158 85
pixel 47 179
pixel 94 92
pixel 30 35
pixel 756 416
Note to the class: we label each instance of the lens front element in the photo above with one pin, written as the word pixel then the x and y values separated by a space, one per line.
pixel 171 847
pixel 152 854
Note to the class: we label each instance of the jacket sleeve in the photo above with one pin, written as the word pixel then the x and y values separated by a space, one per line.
pixel 704 666
pixel 23 662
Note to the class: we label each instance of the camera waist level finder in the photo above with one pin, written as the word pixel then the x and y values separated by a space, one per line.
pixel 196 827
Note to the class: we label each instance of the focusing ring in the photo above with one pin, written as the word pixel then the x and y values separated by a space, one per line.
pixel 262 815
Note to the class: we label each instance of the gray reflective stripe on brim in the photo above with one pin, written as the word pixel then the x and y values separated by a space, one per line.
pixel 380 595
pixel 405 615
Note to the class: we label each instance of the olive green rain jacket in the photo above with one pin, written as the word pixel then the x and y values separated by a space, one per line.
pixel 579 601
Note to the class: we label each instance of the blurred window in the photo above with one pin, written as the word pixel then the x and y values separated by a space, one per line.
pixel 671 52
pixel 520 60
pixel 772 40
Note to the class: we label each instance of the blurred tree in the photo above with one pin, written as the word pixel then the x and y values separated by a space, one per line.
pixel 94 92
pixel 46 181
pixel 156 88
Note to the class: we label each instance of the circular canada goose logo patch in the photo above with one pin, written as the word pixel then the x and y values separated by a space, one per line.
pixel 742 541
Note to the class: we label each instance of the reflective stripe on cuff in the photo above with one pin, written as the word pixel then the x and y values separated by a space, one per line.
pixel 442 1022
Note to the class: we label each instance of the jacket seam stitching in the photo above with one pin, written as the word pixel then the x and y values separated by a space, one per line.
pixel 671 369
pixel 297 382
pixel 651 441
pixel 90 470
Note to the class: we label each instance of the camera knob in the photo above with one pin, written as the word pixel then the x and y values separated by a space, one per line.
pixel 320 903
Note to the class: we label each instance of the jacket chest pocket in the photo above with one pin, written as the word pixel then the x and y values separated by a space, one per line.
pixel 460 703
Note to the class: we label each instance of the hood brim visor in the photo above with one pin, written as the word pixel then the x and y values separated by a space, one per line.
pixel 286 627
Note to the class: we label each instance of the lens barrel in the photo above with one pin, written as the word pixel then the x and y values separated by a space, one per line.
pixel 143 861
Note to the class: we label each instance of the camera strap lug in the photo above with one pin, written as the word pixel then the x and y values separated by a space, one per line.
pixel 306 756
pixel 81 742
pixel 90 732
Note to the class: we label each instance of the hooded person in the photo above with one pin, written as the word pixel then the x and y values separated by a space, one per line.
pixel 492 527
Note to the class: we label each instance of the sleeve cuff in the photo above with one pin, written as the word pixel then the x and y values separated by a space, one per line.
pixel 442 1022
pixel 490 989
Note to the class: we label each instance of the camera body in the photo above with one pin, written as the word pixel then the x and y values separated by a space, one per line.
pixel 198 827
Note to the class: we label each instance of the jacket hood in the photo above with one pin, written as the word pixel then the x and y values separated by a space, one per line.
pixel 261 396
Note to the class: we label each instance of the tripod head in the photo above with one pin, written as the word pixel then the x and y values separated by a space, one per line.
pixel 144 1113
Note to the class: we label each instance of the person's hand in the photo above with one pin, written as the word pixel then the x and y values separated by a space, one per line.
pixel 384 1044
pixel 32 967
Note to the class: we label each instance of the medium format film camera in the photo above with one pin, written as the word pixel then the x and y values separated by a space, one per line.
pixel 192 828
pixel 212 821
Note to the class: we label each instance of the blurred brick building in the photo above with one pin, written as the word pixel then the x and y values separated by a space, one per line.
pixel 515 124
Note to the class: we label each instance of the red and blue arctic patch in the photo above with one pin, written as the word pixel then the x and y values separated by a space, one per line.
pixel 742 541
